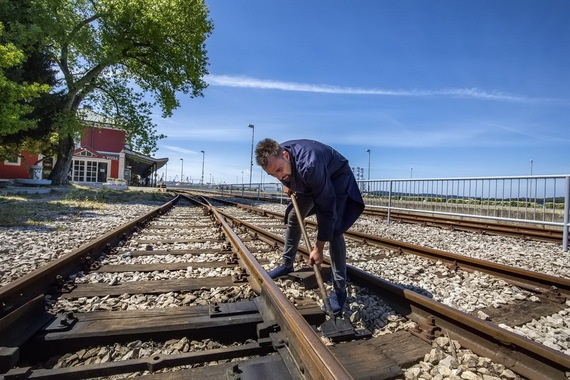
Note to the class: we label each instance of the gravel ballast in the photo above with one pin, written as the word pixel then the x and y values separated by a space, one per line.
pixel 26 248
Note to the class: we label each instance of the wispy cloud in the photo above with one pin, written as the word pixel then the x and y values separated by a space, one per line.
pixel 535 136
pixel 247 82
pixel 178 149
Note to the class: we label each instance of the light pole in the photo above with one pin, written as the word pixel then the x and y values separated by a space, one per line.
pixel 531 162
pixel 411 173
pixel 368 151
pixel 182 171
pixel 203 157
pixel 251 163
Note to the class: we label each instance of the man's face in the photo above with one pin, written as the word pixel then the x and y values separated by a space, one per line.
pixel 279 166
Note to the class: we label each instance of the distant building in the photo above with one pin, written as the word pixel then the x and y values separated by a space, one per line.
pixel 102 153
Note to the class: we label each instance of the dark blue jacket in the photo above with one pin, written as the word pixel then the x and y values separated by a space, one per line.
pixel 322 173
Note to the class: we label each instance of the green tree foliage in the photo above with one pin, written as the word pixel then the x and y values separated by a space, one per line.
pixel 15 98
pixel 21 31
pixel 103 49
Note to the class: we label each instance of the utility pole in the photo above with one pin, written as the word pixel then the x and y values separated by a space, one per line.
pixel 251 163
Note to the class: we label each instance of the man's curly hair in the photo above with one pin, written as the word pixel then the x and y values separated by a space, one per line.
pixel 266 148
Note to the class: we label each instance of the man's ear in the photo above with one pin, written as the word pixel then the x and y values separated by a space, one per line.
pixel 286 155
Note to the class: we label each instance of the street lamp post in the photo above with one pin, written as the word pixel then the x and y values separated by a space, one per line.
pixel 531 162
pixel 251 162
pixel 368 151
pixel 182 171
pixel 203 157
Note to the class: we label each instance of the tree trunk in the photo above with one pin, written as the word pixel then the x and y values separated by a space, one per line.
pixel 60 172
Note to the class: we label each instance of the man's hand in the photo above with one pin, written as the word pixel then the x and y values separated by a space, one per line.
pixel 316 256
pixel 287 190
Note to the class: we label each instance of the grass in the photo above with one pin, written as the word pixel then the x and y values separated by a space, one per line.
pixel 41 210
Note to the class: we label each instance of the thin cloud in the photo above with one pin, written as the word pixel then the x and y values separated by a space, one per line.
pixel 247 82
pixel 536 136
pixel 178 149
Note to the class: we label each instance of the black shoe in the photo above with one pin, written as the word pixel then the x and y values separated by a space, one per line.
pixel 280 271
pixel 336 300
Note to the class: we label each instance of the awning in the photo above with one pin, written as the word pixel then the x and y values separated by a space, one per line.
pixel 142 165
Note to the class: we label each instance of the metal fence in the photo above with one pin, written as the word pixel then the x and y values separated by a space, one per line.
pixel 540 200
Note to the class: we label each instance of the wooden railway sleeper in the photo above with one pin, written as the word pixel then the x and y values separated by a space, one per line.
pixel 553 295
pixel 153 363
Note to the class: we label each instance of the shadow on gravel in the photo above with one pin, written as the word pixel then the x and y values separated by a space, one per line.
pixel 41 210
pixel 417 289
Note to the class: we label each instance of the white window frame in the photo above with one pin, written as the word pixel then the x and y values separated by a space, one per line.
pixel 85 160
pixel 18 162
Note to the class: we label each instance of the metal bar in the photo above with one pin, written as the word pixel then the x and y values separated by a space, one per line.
pixel 566 215
pixel 389 202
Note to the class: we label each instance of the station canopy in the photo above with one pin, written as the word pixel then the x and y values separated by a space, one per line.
pixel 142 165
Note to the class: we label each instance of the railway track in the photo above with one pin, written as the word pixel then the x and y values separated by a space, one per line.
pixel 236 317
pixel 527 232
pixel 256 328
pixel 519 312
pixel 552 290
pixel 547 286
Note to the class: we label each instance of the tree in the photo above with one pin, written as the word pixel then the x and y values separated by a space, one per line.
pixel 15 98
pixel 36 132
pixel 105 49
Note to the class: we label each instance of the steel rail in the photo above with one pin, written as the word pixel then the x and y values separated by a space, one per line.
pixel 525 232
pixel 534 281
pixel 524 356
pixel 530 280
pixel 302 341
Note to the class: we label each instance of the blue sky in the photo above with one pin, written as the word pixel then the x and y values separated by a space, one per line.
pixel 449 88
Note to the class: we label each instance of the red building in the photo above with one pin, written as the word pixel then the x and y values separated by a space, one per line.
pixel 102 153
pixel 20 166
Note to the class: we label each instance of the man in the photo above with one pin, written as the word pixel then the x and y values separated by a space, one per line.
pixel 325 186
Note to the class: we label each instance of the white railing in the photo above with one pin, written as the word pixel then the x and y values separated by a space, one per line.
pixel 542 200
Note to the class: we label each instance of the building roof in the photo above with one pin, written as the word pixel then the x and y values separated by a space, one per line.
pixel 140 163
